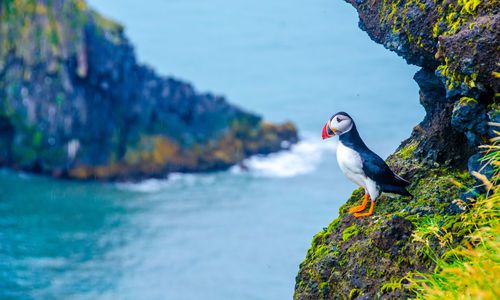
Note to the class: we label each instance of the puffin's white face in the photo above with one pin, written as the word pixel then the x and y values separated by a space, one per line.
pixel 337 125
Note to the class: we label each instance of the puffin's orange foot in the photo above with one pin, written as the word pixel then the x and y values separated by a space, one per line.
pixel 357 209
pixel 367 214
pixel 361 207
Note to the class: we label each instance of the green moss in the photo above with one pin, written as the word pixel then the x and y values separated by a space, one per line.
pixel 433 189
pixel 468 248
pixel 408 150
pixel 343 261
pixel 355 293
pixel 59 99
pixel 106 23
pixel 453 15
pixel 469 6
pixel 111 29
pixel 323 285
pixel 37 139
pixel 393 284
pixel 350 231
pixel 317 251
pixel 467 101
pixel 333 225
pixel 52 158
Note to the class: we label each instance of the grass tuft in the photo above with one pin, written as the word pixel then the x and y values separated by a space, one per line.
pixel 470 270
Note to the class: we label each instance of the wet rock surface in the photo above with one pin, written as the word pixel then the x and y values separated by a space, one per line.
pixel 76 103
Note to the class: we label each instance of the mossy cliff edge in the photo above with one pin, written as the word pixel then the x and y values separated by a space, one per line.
pixel 75 103
pixel 457 45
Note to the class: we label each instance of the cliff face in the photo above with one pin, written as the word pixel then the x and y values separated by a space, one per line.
pixel 76 103
pixel 456 43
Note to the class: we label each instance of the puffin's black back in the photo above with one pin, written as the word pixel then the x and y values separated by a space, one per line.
pixel 374 166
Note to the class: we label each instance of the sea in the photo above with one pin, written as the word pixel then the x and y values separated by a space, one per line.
pixel 239 234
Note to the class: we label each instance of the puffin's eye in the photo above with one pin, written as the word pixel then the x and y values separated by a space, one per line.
pixel 339 119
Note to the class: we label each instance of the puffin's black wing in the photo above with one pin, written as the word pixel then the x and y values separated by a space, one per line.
pixel 377 170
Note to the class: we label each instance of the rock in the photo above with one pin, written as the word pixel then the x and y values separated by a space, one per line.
pixel 494 116
pixel 456 46
pixel 77 104
pixel 470 117
pixel 437 139
pixel 477 164
pixel 387 235
pixel 359 256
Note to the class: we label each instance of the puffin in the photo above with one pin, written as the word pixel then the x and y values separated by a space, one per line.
pixel 361 165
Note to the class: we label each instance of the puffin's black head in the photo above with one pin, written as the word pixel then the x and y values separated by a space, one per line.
pixel 338 124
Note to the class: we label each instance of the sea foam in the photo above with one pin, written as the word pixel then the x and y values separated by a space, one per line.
pixel 302 158
pixel 174 180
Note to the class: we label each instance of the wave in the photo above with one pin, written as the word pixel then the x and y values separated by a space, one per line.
pixel 173 180
pixel 302 158
pixel 144 186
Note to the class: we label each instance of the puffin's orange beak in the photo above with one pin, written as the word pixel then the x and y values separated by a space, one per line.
pixel 327 131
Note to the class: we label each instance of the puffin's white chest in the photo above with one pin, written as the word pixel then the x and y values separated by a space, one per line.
pixel 352 166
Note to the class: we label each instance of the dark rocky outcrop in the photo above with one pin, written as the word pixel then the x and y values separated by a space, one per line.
pixel 76 103
pixel 456 44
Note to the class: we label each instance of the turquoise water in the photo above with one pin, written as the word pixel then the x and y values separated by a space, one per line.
pixel 227 235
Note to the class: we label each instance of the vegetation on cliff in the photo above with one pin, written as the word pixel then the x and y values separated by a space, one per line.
pixel 442 243
pixel 76 103
pixel 360 258
pixel 469 270
pixel 447 229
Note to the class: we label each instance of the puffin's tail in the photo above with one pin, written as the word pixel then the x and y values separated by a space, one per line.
pixel 400 190
pixel 408 194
